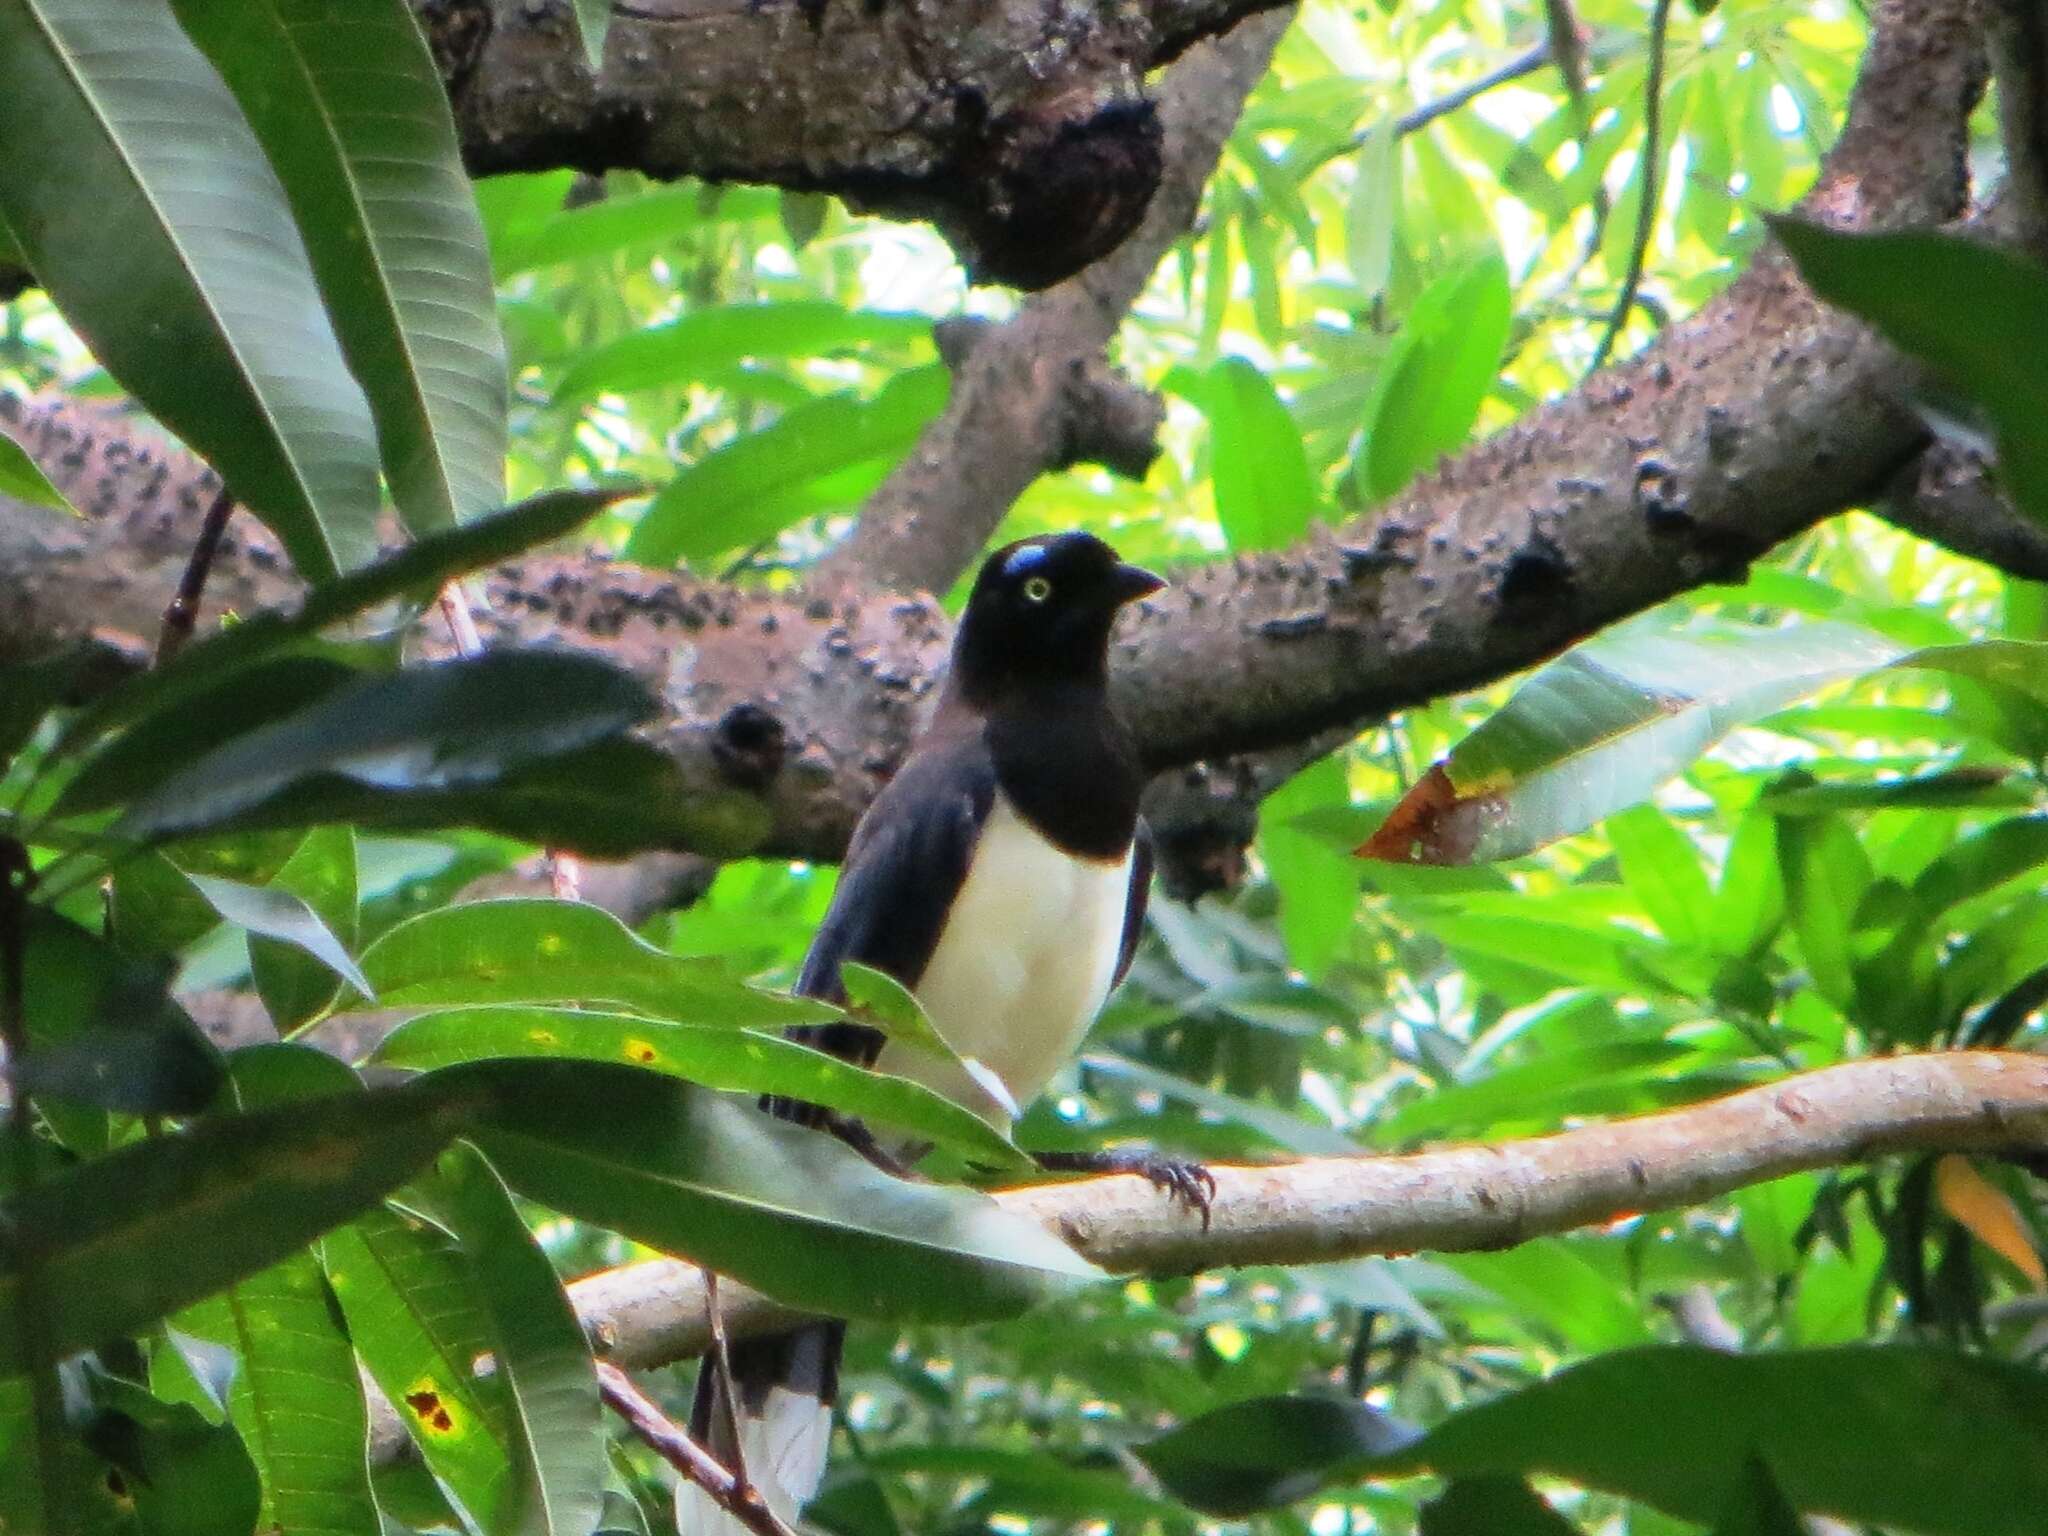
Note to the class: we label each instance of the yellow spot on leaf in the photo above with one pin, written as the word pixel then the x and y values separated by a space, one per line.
pixel 551 944
pixel 542 1037
pixel 642 1052
pixel 431 1409
pixel 1984 1210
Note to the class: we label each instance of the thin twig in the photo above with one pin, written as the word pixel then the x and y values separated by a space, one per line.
pixel 672 1443
pixel 1653 165
pixel 565 875
pixel 720 1364
pixel 1517 68
pixel 181 616
pixel 17 875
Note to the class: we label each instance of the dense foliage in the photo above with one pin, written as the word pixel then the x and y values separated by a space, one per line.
pixel 1772 827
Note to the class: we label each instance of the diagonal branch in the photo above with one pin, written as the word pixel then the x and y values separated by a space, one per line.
pixel 1453 1199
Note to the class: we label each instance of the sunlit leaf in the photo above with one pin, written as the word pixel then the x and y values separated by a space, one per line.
pixel 23 481
pixel 706 339
pixel 1264 492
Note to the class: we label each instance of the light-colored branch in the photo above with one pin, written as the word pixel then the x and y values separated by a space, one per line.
pixel 1453 1199
pixel 1447 1200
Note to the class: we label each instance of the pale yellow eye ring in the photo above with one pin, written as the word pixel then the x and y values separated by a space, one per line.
pixel 1037 590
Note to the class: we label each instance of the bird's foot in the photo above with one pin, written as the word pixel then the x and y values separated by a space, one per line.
pixel 1182 1180
pixel 857 1136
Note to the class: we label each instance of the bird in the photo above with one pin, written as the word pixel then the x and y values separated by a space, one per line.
pixel 1001 876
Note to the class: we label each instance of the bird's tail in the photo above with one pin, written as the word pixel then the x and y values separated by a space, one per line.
pixel 786 1384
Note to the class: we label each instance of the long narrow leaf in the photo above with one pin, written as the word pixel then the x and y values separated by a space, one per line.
pixel 352 112
pixel 167 243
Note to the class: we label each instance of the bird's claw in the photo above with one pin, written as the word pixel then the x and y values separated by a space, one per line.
pixel 1181 1180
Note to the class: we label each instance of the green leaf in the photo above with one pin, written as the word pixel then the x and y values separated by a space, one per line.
pixel 279 915
pixel 1544 1091
pixel 451 725
pixel 1601 727
pixel 1551 1283
pixel 186 1476
pixel 416 571
pixel 296 1398
pixel 1491 1506
pixel 1759 1508
pixel 789 1211
pixel 103 1029
pixel 1442 366
pixel 1826 876
pixel 879 1000
pixel 297 983
pixel 1976 313
pixel 155 1226
pixel 663 217
pixel 540 951
pixel 416 1318
pixel 1318 886
pixel 1662 869
pixel 741 493
pixel 1749 905
pixel 715 1056
pixel 1265 494
pixel 168 245
pixel 21 480
pixel 351 110
pixel 1375 208
pixel 593 22
pixel 29 690
pixel 1893 1435
pixel 542 1356
pixel 717 336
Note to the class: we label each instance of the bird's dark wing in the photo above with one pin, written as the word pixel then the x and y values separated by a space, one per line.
pixel 907 861
pixel 1134 903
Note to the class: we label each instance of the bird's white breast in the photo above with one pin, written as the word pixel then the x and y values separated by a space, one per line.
pixel 1022 965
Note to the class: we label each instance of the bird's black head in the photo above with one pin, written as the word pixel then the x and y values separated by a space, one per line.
pixel 1041 612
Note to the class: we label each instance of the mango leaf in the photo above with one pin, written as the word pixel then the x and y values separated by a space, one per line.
pixel 1598 730
pixel 714 1056
pixel 452 725
pixel 879 1000
pixel 417 571
pixel 1662 869
pixel 416 1319
pixel 1491 1506
pixel 21 480
pixel 279 915
pixel 1265 494
pixel 168 245
pixel 1375 208
pixel 1443 364
pixel 1977 314
pixel 538 951
pixel 1759 1507
pixel 1895 1435
pixel 353 115
pixel 298 982
pixel 741 493
pixel 659 217
pixel 1318 886
pixel 245 1191
pixel 296 1398
pixel 30 689
pixel 103 1029
pixel 794 1213
pixel 543 1359
pixel 717 336
pixel 1827 874
pixel 185 1475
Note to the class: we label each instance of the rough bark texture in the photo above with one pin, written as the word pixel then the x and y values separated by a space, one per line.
pixel 1454 1199
pixel 1020 128
pixel 1746 423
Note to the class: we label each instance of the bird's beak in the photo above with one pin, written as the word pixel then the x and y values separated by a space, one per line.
pixel 1134 582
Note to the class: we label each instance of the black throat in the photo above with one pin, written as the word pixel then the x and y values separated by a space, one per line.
pixel 1067 764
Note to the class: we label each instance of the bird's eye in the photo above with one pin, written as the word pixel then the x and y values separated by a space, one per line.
pixel 1037 590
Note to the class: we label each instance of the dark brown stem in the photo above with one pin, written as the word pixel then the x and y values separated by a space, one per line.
pixel 672 1443
pixel 181 616
pixel 17 876
pixel 1653 186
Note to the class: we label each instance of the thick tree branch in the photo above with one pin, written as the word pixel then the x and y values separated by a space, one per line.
pixel 1746 423
pixel 2018 31
pixel 1454 1199
pixel 1015 410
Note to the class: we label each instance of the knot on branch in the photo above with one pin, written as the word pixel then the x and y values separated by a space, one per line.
pixel 1053 187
